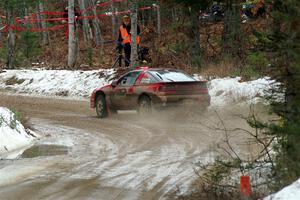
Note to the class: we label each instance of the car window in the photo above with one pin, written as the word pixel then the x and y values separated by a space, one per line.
pixel 147 78
pixel 129 79
pixel 171 75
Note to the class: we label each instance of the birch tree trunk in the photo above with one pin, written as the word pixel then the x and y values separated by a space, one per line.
pixel 87 32
pixel 72 53
pixel 11 40
pixel 134 49
pixel 45 34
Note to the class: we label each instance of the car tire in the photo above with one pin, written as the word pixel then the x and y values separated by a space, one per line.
pixel 145 105
pixel 101 108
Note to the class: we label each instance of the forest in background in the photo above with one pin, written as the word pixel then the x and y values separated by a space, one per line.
pixel 184 35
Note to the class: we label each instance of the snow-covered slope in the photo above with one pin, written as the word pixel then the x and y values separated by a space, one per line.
pixel 231 90
pixel 14 139
pixel 81 83
pixel 54 82
pixel 291 192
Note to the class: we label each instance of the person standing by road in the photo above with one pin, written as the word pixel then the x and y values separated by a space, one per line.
pixel 124 40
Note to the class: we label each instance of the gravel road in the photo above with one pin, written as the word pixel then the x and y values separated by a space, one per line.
pixel 125 156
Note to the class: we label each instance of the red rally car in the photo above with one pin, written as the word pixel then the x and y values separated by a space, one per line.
pixel 147 88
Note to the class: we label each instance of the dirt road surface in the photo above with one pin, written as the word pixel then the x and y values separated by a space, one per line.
pixel 126 156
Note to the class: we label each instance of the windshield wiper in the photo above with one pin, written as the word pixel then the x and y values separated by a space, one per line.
pixel 159 76
pixel 170 79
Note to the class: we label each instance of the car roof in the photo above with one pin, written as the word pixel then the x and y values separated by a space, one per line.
pixel 154 69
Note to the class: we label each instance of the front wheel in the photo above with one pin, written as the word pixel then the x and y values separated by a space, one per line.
pixel 101 108
pixel 145 105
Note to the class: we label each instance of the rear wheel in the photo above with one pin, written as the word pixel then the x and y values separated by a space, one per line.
pixel 145 105
pixel 101 108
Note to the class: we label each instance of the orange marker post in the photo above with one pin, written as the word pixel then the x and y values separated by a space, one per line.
pixel 245 186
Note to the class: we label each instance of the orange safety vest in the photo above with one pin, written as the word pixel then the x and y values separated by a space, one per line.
pixel 127 37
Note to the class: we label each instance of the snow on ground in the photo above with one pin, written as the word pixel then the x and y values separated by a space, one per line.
pixel 231 90
pixel 54 82
pixel 14 139
pixel 291 192
pixel 82 83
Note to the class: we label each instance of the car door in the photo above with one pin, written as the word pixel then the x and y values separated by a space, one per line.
pixel 123 94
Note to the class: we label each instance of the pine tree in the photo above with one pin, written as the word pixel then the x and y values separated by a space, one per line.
pixel 232 39
pixel 191 9
pixel 283 46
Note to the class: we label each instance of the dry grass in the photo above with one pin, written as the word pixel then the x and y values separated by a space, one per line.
pixel 221 69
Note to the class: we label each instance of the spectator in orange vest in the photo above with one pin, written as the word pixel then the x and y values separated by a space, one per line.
pixel 124 40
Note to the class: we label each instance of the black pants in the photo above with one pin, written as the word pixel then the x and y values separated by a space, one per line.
pixel 127 50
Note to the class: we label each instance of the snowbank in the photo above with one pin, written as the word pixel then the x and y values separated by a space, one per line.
pixel 55 82
pixel 14 139
pixel 291 192
pixel 82 83
pixel 231 90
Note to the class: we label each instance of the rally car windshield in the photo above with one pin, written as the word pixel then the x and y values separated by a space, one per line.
pixel 171 76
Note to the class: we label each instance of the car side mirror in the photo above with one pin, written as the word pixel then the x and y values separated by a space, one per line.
pixel 114 83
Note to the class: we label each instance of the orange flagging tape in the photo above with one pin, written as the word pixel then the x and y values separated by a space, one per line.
pixel 18 20
pixel 78 11
pixel 53 28
pixel 57 27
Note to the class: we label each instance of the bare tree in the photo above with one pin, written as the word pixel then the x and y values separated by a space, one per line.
pixel 72 54
pixel 96 23
pixel 11 39
pixel 113 20
pixel 158 20
pixel 45 34
pixel 134 53
pixel 87 31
